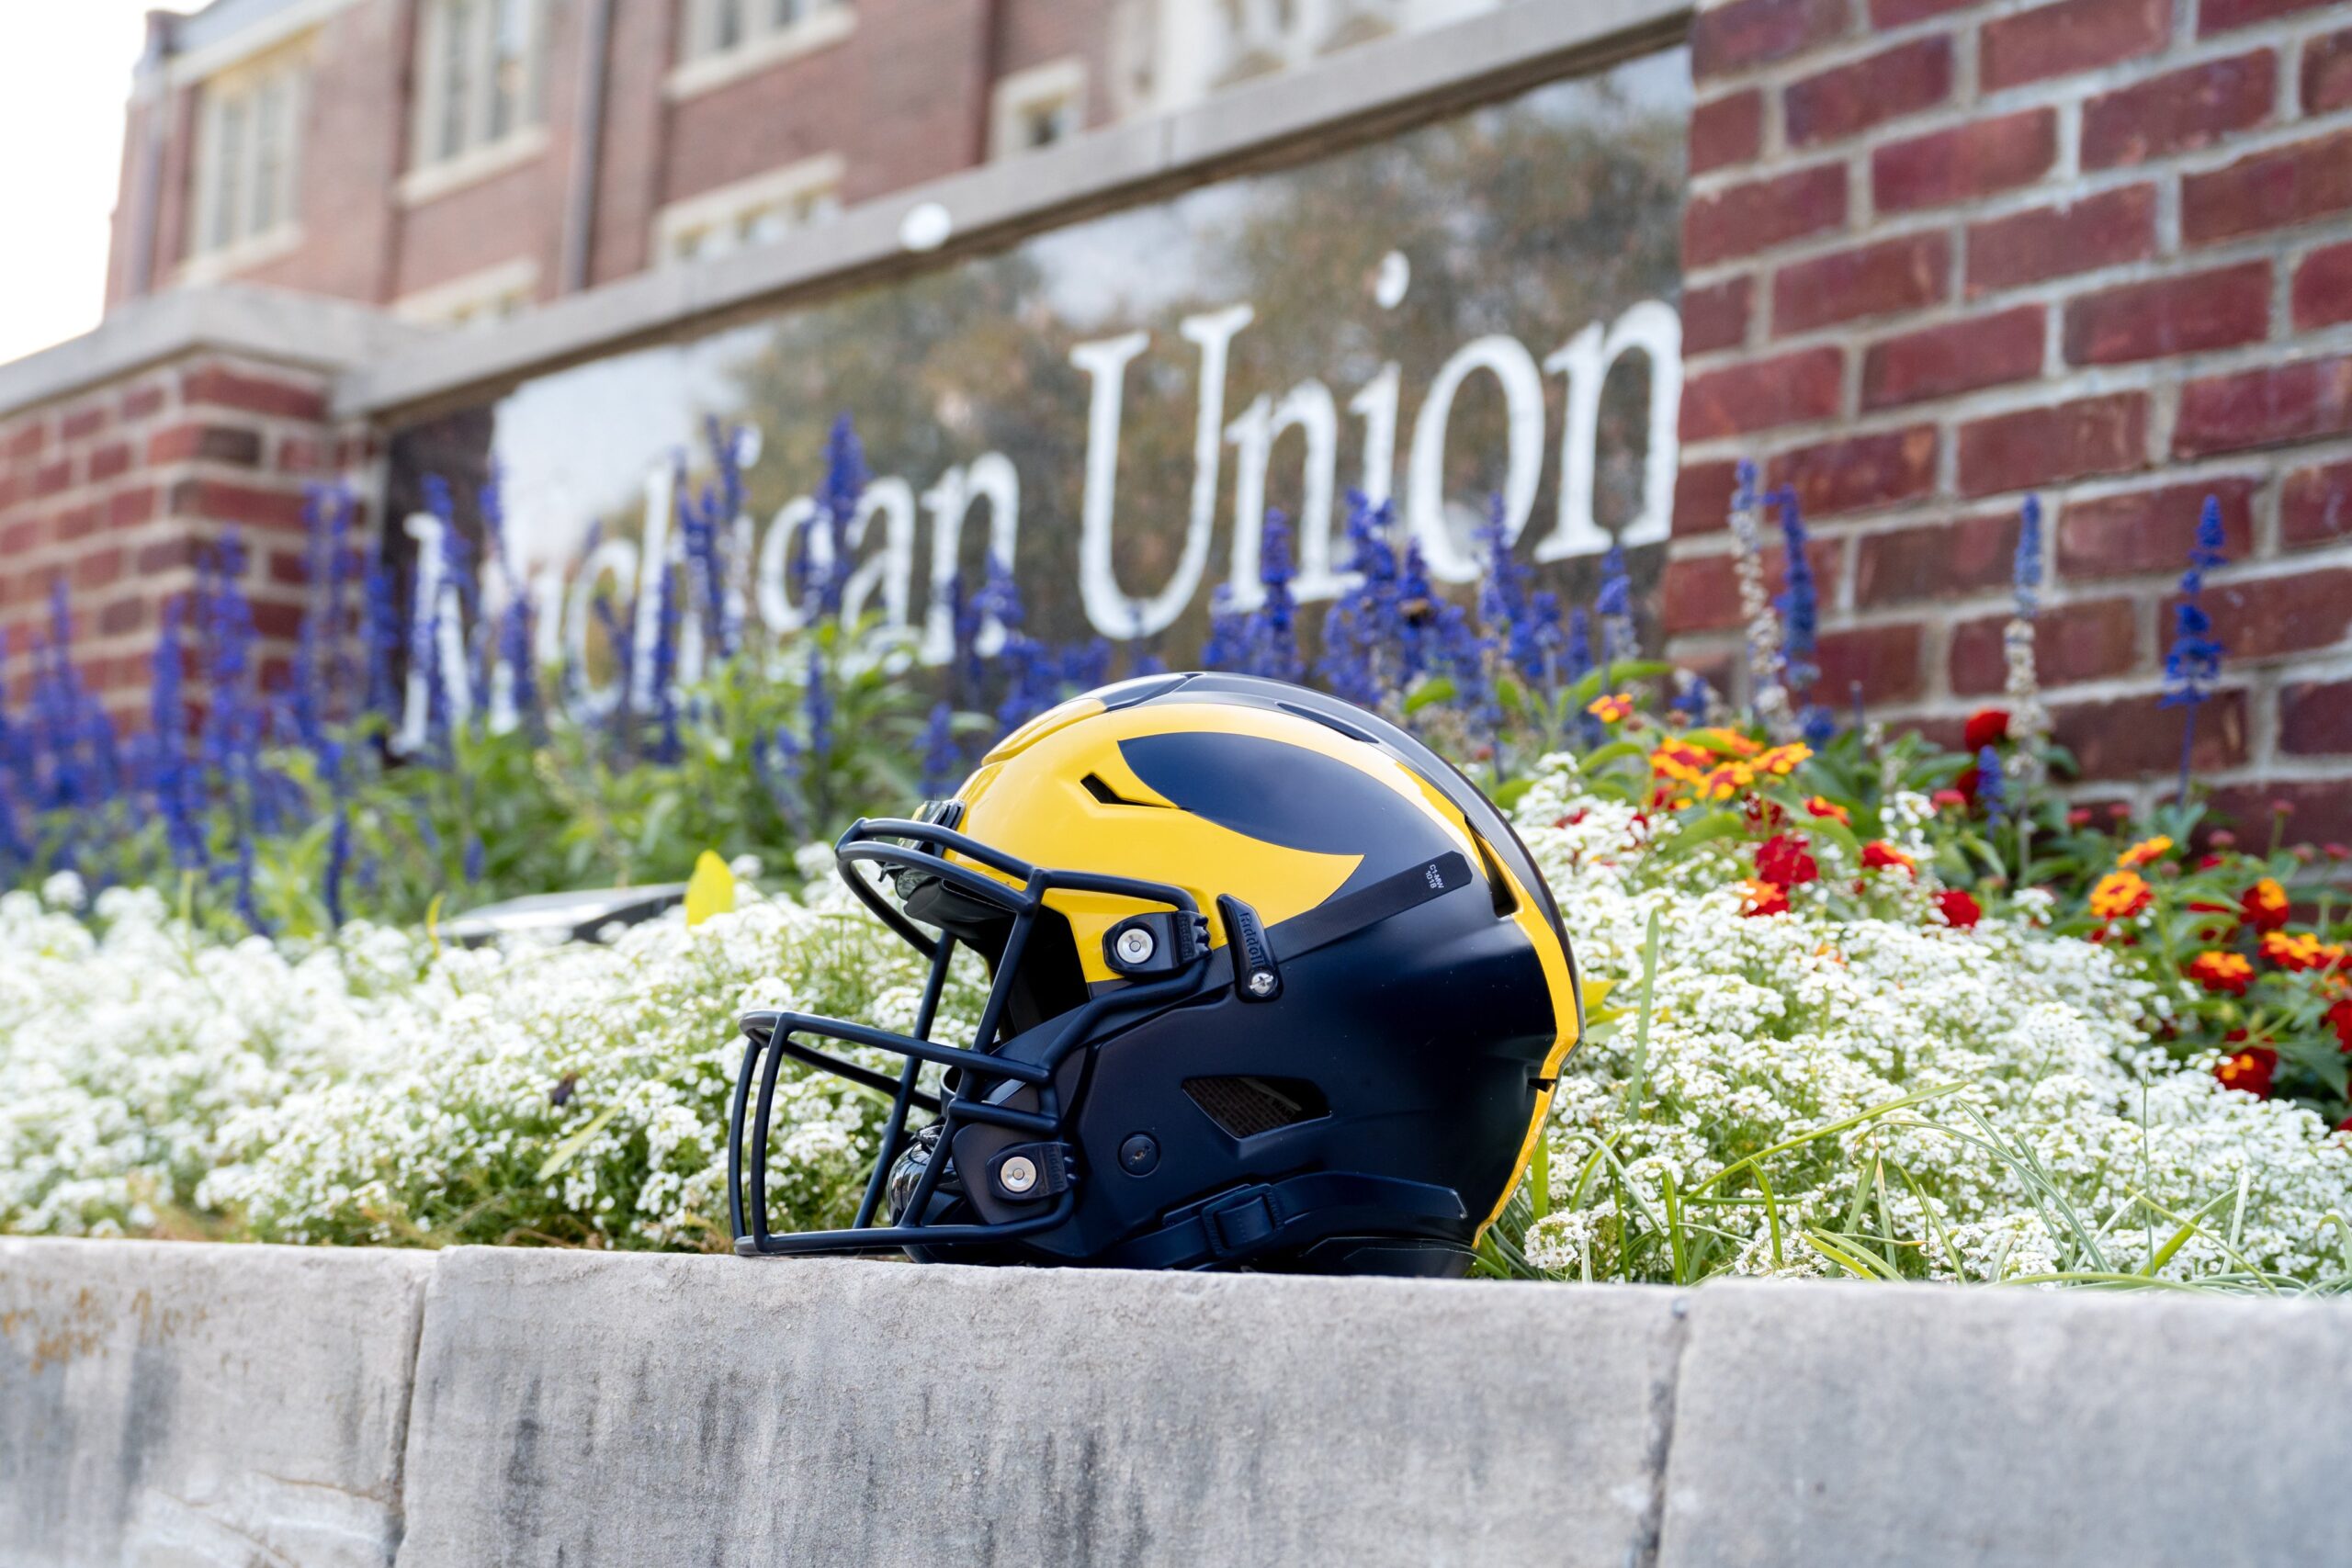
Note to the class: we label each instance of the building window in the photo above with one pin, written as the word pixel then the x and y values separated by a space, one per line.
pixel 755 212
pixel 1037 107
pixel 720 41
pixel 248 153
pixel 1256 37
pixel 480 65
pixel 479 300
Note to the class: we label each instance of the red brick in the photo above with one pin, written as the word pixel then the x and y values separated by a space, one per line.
pixel 204 443
pixel 1859 472
pixel 1877 279
pixel 220 502
pixel 2279 403
pixel 2070 36
pixel 2322 289
pixel 2316 717
pixel 142 400
pixel 2179 111
pixel 108 460
pixel 2129 737
pixel 1757 32
pixel 2149 530
pixel 97 568
pixel 2049 446
pixel 1702 592
pixel 1886 14
pixel 1883 661
pixel 129 508
pixel 1715 317
pixel 51 478
pixel 2094 640
pixel 2321 811
pixel 77 521
pixel 2327 72
pixel 306 454
pixel 26 440
pixel 1702 498
pixel 1980 158
pixel 223 387
pixel 1850 98
pixel 122 615
pixel 2315 505
pixel 1763 213
pixel 1953 357
pixel 2107 230
pixel 273 619
pixel 26 535
pixel 80 425
pixel 2269 190
pixel 2265 617
pixel 291 567
pixel 2222 16
pixel 1726 130
pixel 1762 393
pixel 2202 311
pixel 1942 560
pixel 166 555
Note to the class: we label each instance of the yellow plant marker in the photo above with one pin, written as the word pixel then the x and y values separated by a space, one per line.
pixel 711 890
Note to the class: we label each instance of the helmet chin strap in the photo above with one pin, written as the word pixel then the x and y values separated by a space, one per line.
pixel 1237 1227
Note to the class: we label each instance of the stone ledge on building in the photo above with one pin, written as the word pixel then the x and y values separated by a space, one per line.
pixel 599 1409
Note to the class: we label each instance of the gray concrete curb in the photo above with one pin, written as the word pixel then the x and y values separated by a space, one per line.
pixel 182 1403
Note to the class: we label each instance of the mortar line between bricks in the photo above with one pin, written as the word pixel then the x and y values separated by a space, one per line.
pixel 1651 1540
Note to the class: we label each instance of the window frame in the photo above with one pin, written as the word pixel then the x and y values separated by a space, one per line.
pixel 769 37
pixel 245 181
pixel 1016 96
pixel 808 183
pixel 464 118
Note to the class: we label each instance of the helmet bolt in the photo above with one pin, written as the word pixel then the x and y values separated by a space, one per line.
pixel 1262 984
pixel 1017 1175
pixel 1139 1156
pixel 1135 945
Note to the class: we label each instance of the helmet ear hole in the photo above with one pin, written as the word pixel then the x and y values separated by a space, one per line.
pixel 1243 1107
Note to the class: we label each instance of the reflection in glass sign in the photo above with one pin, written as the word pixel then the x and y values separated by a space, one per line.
pixel 1477 313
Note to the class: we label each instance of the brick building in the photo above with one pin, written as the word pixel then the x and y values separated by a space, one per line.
pixel 1935 256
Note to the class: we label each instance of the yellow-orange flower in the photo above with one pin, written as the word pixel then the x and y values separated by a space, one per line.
pixel 1680 760
pixel 1821 807
pixel 2219 971
pixel 1611 709
pixel 1761 897
pixel 1731 740
pixel 2301 949
pixel 2265 906
pixel 2145 851
pixel 2120 895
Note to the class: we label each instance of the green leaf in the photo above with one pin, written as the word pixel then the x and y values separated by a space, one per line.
pixel 1436 688
pixel 563 1153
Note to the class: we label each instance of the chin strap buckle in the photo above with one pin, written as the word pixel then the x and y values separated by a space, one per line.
pixel 1160 943
pixel 1240 1223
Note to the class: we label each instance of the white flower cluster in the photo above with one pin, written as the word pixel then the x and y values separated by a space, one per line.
pixel 378 1090
pixel 2052 1135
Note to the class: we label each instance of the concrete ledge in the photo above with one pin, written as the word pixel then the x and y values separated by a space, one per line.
pixel 162 1403
pixel 180 1403
pixel 294 329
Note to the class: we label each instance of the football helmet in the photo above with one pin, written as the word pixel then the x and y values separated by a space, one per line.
pixel 1272 985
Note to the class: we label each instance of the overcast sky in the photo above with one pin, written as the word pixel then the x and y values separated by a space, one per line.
pixel 64 75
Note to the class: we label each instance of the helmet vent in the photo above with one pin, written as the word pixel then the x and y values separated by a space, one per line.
pixel 1497 885
pixel 1244 1107
pixel 1093 784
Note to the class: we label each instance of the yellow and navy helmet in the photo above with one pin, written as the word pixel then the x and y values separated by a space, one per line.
pixel 1273 986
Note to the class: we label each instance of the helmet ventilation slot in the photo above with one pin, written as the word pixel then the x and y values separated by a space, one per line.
pixel 1095 786
pixel 1244 1107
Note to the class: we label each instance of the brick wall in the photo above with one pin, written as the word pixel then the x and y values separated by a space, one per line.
pixel 1942 253
pixel 120 491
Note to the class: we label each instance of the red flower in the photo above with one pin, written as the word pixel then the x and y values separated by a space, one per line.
pixel 2265 906
pixel 1985 727
pixel 1761 897
pixel 1961 909
pixel 2340 1018
pixel 2221 971
pixel 2221 839
pixel 1880 853
pixel 2079 816
pixel 1783 861
pixel 2250 1070
pixel 1964 784
pixel 1944 797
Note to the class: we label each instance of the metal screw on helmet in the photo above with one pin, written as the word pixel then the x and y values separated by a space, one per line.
pixel 1017 1175
pixel 1139 1156
pixel 1135 945
pixel 1262 984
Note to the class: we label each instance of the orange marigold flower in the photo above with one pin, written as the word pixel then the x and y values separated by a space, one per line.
pixel 1762 897
pixel 2250 1070
pixel 2227 972
pixel 1731 740
pixel 1879 852
pixel 2265 906
pixel 1783 760
pixel 1611 709
pixel 2145 851
pixel 1679 759
pixel 2301 949
pixel 2121 895
pixel 1820 807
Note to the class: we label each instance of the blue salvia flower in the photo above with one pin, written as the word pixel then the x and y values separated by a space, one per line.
pixel 1800 602
pixel 2026 574
pixel 1504 608
pixel 776 764
pixel 338 867
pixel 1227 646
pixel 668 747
pixel 1576 652
pixel 1273 638
pixel 1613 608
pixel 1362 629
pixel 177 784
pixel 2194 661
pixel 1086 665
pixel 943 760
pixel 1818 725
pixel 845 482
pixel 1690 697
pixel 1032 681
pixel 475 856
pixel 380 639
pixel 1992 788
pixel 817 703
pixel 514 631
